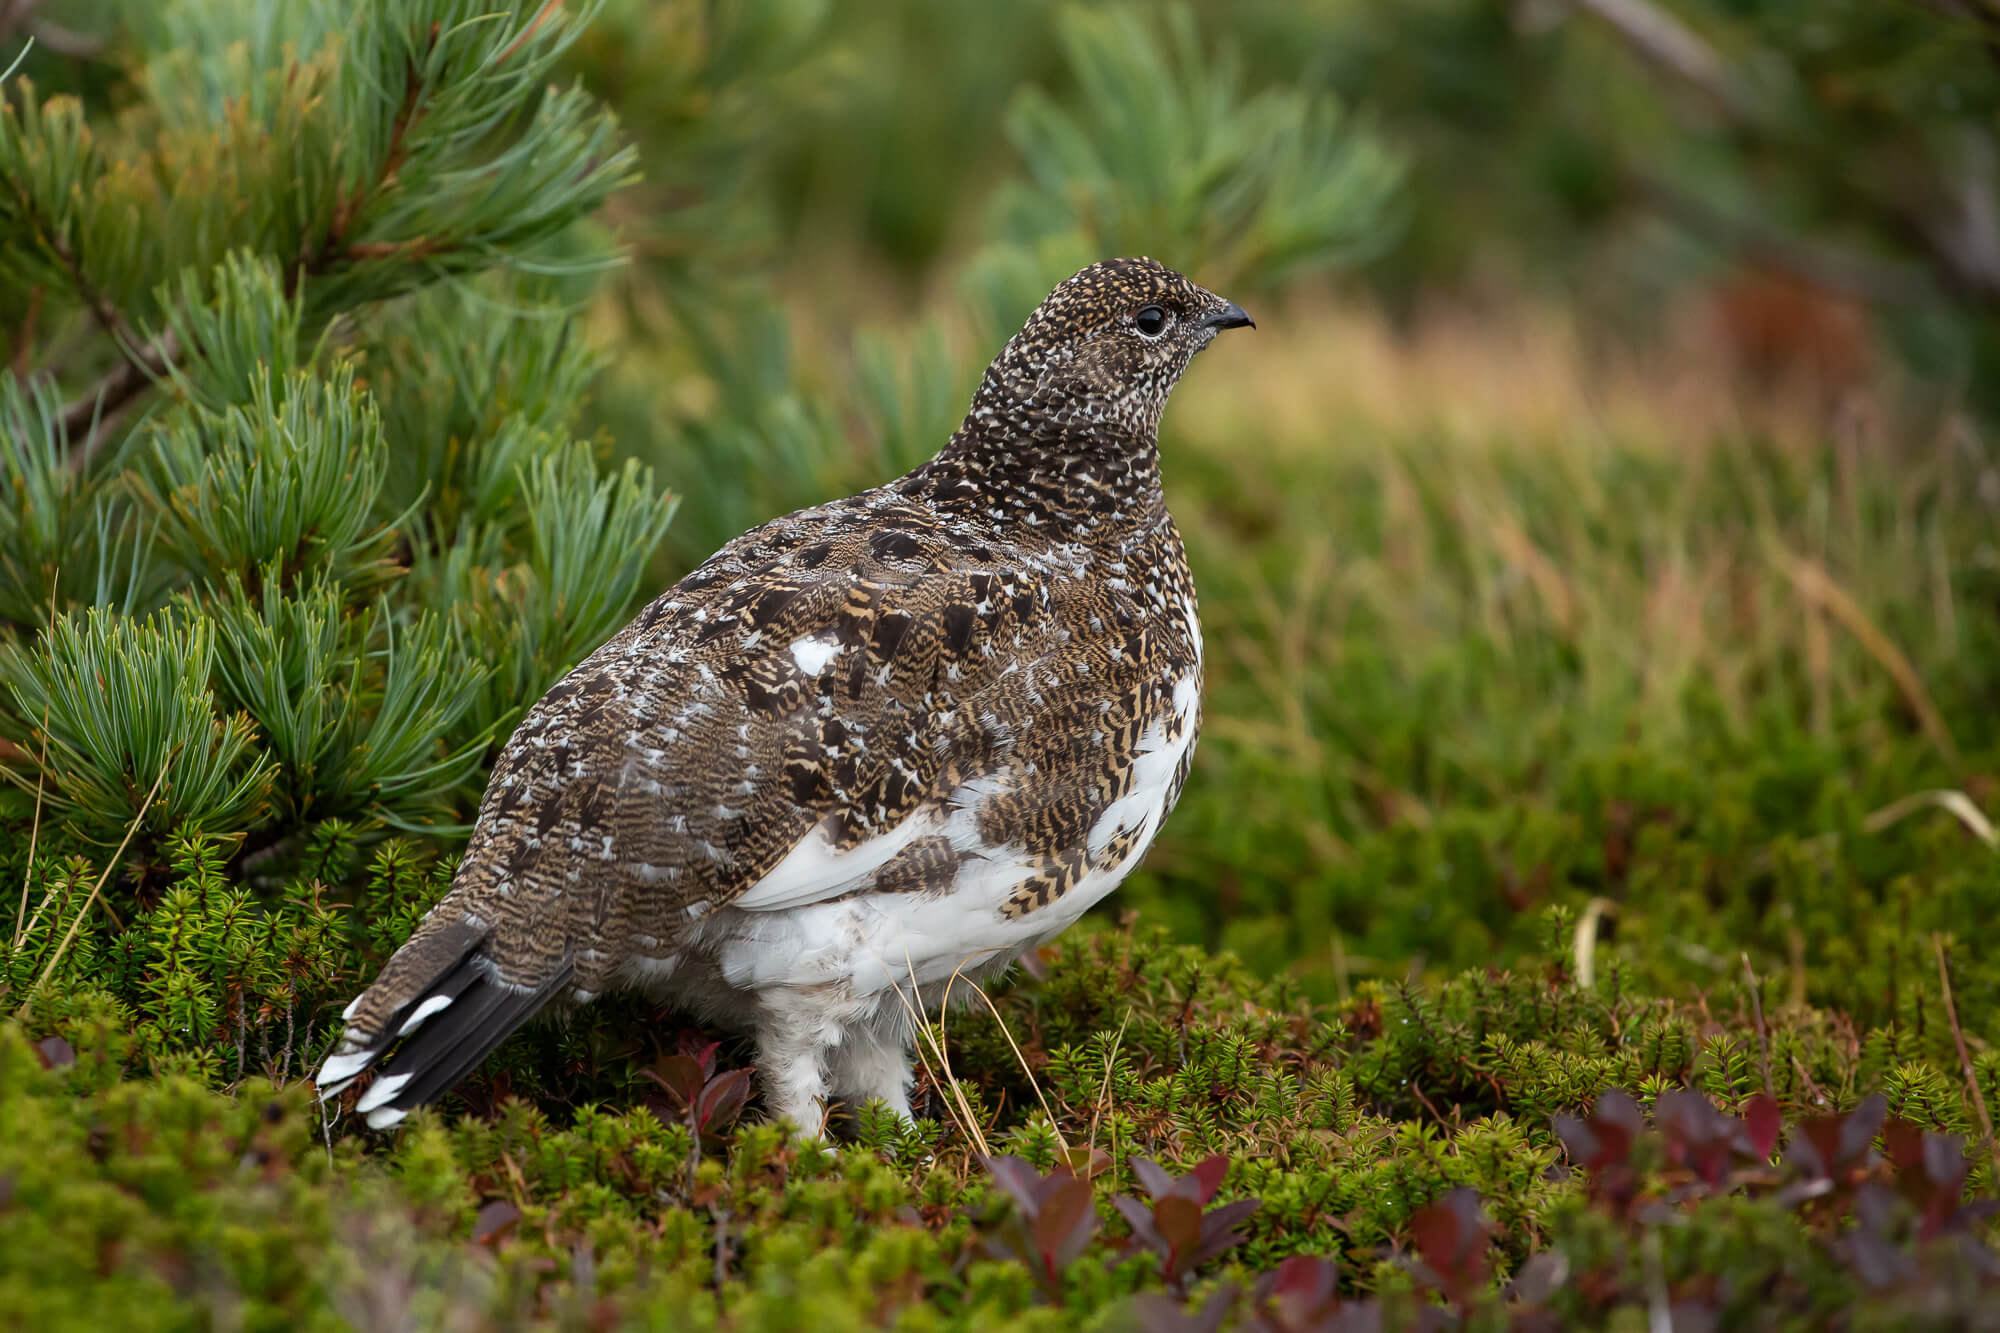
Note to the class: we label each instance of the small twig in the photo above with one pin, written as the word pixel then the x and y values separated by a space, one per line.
pixel 1757 1012
pixel 25 335
pixel 96 889
pixel 1964 1056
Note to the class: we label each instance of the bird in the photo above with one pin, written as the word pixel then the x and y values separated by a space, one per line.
pixel 865 749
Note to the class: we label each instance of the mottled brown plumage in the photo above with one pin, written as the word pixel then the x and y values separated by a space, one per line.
pixel 863 747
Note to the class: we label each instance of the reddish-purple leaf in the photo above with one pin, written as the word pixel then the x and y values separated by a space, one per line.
pixel 1207 1177
pixel 1833 1145
pixel 1451 1236
pixel 1063 1225
pixel 493 1221
pixel 1178 1220
pixel 1698 1137
pixel 1139 1216
pixel 723 1100
pixel 698 1049
pixel 1152 1176
pixel 1903 1142
pixel 1020 1181
pixel 55 1052
pixel 1861 1126
pixel 1301 1294
pixel 682 1077
pixel 1218 1229
pixel 1762 1123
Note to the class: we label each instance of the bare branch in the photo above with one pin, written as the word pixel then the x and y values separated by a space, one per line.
pixel 1666 42
pixel 1859 275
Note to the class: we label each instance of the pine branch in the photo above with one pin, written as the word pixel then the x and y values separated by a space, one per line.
pixel 140 368
pixel 87 418
pixel 317 259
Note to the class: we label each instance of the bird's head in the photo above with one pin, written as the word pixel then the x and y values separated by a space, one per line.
pixel 1106 348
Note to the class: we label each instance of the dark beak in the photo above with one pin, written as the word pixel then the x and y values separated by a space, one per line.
pixel 1231 316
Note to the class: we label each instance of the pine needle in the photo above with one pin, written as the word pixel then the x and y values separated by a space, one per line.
pixel 1819 588
pixel 1104 1091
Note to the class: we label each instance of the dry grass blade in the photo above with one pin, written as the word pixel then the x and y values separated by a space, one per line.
pixel 1585 945
pixel 1955 803
pixel 957 974
pixel 957 1103
pixel 95 889
pixel 1104 1091
pixel 1818 587
pixel 21 923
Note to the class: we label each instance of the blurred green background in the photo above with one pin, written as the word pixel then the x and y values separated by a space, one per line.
pixel 1603 509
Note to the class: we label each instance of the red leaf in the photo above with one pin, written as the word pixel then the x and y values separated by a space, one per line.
pixel 1451 1236
pixel 1018 1179
pixel 1208 1177
pixel 1178 1220
pixel 1063 1224
pixel 681 1075
pixel 1762 1122
pixel 1139 1217
pixel 1218 1229
pixel 723 1099
pixel 494 1220
pixel 1151 1175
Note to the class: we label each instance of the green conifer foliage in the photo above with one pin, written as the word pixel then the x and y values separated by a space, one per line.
pixel 297 518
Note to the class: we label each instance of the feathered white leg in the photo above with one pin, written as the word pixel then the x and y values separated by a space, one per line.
pixel 796 1032
pixel 874 1061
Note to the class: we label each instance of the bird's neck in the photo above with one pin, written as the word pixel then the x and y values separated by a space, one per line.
pixel 1043 458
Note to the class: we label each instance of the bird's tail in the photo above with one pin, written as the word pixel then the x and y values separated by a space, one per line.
pixel 444 999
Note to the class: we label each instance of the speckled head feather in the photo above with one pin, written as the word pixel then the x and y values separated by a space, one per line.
pixel 863 748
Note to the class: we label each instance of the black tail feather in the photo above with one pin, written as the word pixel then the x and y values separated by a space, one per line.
pixel 482 1013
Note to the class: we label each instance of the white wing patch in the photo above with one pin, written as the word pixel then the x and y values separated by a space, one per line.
pixel 814 870
pixel 813 652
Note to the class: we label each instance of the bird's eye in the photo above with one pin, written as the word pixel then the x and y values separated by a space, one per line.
pixel 1151 321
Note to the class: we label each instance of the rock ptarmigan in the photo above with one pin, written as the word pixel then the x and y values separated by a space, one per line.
pixel 865 747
